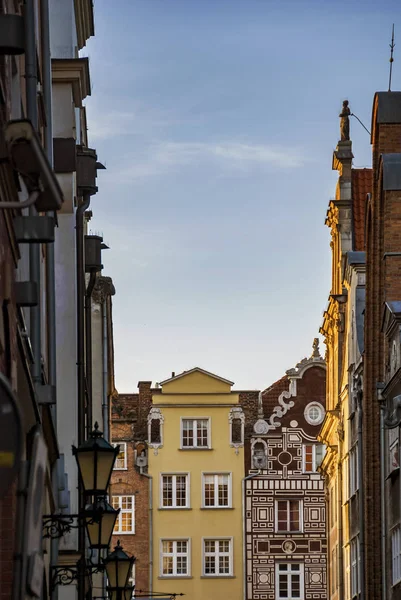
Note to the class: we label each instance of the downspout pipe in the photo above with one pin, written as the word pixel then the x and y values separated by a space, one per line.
pixel 50 262
pixel 383 504
pixel 361 495
pixel 88 349
pixel 31 80
pixel 80 276
pixel 150 530
pixel 243 484
pixel 105 403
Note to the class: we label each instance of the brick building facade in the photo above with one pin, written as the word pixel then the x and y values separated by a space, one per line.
pixel 129 489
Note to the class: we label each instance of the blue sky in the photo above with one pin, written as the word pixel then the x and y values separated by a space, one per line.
pixel 216 120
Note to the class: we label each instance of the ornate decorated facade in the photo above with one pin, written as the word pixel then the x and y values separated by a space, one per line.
pixel 343 331
pixel 285 507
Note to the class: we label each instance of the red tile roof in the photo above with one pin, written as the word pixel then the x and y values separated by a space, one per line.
pixel 271 395
pixel 362 182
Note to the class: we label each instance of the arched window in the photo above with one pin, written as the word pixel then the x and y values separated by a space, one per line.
pixel 259 454
pixel 155 428
pixel 237 421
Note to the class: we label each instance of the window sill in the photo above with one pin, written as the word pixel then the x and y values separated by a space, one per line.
pixel 218 577
pixel 175 577
pixel 175 508
pixel 120 469
pixel 123 532
pixel 217 508
pixel 194 448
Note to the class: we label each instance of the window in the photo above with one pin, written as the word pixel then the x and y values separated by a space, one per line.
pixel 155 428
pixel 334 571
pixel 353 470
pixel 236 420
pixel 126 519
pixel 346 480
pixel 217 490
pixel 175 558
pixel 355 567
pixel 288 515
pixel 175 491
pixel 314 413
pixel 393 449
pixel 333 505
pixel 312 455
pixel 195 433
pixel 289 581
pixel 396 555
pixel 121 460
pixel 217 557
pixel 347 581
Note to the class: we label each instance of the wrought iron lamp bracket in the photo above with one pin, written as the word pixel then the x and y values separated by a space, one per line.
pixel 56 526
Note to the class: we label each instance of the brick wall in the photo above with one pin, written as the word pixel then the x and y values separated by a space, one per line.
pixel 382 283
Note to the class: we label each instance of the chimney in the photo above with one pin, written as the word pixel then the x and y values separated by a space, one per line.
pixel 386 126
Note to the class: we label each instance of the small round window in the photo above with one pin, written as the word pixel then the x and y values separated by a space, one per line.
pixel 314 413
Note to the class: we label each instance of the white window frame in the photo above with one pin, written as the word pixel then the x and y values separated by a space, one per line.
pixel 195 446
pixel 355 560
pixel 393 450
pixel 174 554
pixel 123 448
pixel 117 528
pixel 301 524
pixel 353 470
pixel 216 475
pixel 187 490
pixel 216 554
pixel 315 457
pixel 347 568
pixel 396 555
pixel 289 572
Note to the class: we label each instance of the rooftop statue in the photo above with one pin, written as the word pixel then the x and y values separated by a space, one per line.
pixel 344 123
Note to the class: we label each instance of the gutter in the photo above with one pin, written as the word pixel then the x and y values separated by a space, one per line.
pixel 50 262
pixel 105 404
pixel 382 505
pixel 361 494
pixel 244 479
pixel 88 349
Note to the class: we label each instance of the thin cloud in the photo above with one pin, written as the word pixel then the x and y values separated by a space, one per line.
pixel 164 157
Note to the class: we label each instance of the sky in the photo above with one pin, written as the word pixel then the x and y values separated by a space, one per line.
pixel 216 120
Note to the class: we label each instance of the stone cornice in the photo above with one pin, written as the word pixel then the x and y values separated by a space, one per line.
pixel 84 21
pixel 76 72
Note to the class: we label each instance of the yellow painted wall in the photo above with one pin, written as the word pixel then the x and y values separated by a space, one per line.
pixel 196 523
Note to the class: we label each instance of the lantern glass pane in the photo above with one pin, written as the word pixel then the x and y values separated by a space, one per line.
pixel 105 463
pixel 87 468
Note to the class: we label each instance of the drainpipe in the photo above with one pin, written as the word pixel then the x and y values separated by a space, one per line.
pixel 50 266
pixel 361 495
pixel 79 240
pixel 383 504
pixel 88 349
pixel 340 531
pixel 105 405
pixel 244 479
pixel 80 275
pixel 150 530
pixel 31 80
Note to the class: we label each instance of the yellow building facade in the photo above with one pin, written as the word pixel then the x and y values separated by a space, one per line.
pixel 196 465
pixel 343 332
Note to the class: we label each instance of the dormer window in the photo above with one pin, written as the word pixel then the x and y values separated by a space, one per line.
pixel 237 422
pixel 155 428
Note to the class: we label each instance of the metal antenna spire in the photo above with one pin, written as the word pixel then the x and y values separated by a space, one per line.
pixel 392 45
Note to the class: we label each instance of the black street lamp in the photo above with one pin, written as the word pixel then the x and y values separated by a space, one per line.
pixel 118 568
pixel 95 458
pixel 100 529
